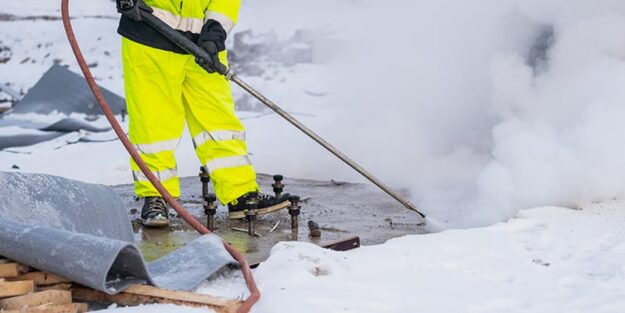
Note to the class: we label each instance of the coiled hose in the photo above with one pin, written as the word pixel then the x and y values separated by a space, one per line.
pixel 246 306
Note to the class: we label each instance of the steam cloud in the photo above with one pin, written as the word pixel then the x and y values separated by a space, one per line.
pixel 483 108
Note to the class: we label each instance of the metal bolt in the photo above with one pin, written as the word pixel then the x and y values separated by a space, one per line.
pixel 277 185
pixel 250 214
pixel 205 179
pixel 294 211
pixel 210 208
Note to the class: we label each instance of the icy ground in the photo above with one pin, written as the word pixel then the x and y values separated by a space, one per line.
pixel 546 259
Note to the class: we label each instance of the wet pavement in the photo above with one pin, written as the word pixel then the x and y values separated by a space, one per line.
pixel 341 209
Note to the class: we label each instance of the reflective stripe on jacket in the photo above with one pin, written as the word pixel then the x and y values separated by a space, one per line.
pixel 187 16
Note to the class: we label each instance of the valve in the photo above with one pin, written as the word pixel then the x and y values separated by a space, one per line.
pixel 210 200
pixel 278 186
pixel 205 179
pixel 294 211
pixel 250 214
pixel 210 209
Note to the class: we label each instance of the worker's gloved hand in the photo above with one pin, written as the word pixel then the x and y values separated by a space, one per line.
pixel 212 39
pixel 132 9
pixel 213 64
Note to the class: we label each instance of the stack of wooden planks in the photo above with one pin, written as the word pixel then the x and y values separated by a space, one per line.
pixel 26 291
pixel 23 290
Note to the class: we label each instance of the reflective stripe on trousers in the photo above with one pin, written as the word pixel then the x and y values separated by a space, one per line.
pixel 163 175
pixel 226 162
pixel 218 135
pixel 156 147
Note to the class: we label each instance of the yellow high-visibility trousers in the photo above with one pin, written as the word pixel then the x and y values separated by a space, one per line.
pixel 163 89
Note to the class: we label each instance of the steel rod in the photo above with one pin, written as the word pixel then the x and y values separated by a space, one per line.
pixel 237 80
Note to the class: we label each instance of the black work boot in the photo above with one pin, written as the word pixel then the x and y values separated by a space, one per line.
pixel 154 212
pixel 264 201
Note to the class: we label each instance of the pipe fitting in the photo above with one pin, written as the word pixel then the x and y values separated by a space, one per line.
pixel 278 186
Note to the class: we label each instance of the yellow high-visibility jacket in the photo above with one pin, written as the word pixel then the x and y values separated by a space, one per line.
pixel 186 16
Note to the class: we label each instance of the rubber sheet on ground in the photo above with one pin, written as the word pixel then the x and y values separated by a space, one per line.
pixel 82 232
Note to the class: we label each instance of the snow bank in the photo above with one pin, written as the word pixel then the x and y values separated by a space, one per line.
pixel 547 259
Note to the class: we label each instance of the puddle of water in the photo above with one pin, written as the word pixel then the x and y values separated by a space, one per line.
pixel 341 210
pixel 155 243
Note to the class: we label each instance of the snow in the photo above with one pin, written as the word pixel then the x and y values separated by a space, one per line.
pixel 547 259
pixel 16 130
pixel 150 308
pixel 53 7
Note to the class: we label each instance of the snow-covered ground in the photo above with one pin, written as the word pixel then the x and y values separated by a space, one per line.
pixel 528 148
pixel 545 260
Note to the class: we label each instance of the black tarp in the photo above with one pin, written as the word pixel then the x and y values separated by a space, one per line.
pixel 64 91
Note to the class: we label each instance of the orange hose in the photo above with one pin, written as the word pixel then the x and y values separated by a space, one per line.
pixel 246 306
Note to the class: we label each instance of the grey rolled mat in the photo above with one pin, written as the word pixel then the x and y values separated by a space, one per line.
pixel 82 232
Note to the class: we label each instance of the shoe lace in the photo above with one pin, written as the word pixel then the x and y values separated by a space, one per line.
pixel 157 204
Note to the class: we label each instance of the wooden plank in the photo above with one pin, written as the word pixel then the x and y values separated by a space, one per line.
pixel 48 297
pixel 271 209
pixel 344 244
pixel 63 286
pixel 142 294
pixel 243 230
pixel 283 205
pixel 64 308
pixel 81 307
pixel 16 288
pixel 12 270
pixel 152 291
pixel 42 278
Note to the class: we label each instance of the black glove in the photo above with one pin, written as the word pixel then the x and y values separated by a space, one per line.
pixel 131 9
pixel 212 39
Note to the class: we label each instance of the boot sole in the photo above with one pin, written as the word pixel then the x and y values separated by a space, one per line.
pixel 155 223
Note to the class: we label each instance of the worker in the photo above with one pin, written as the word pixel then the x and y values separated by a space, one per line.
pixel 165 86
